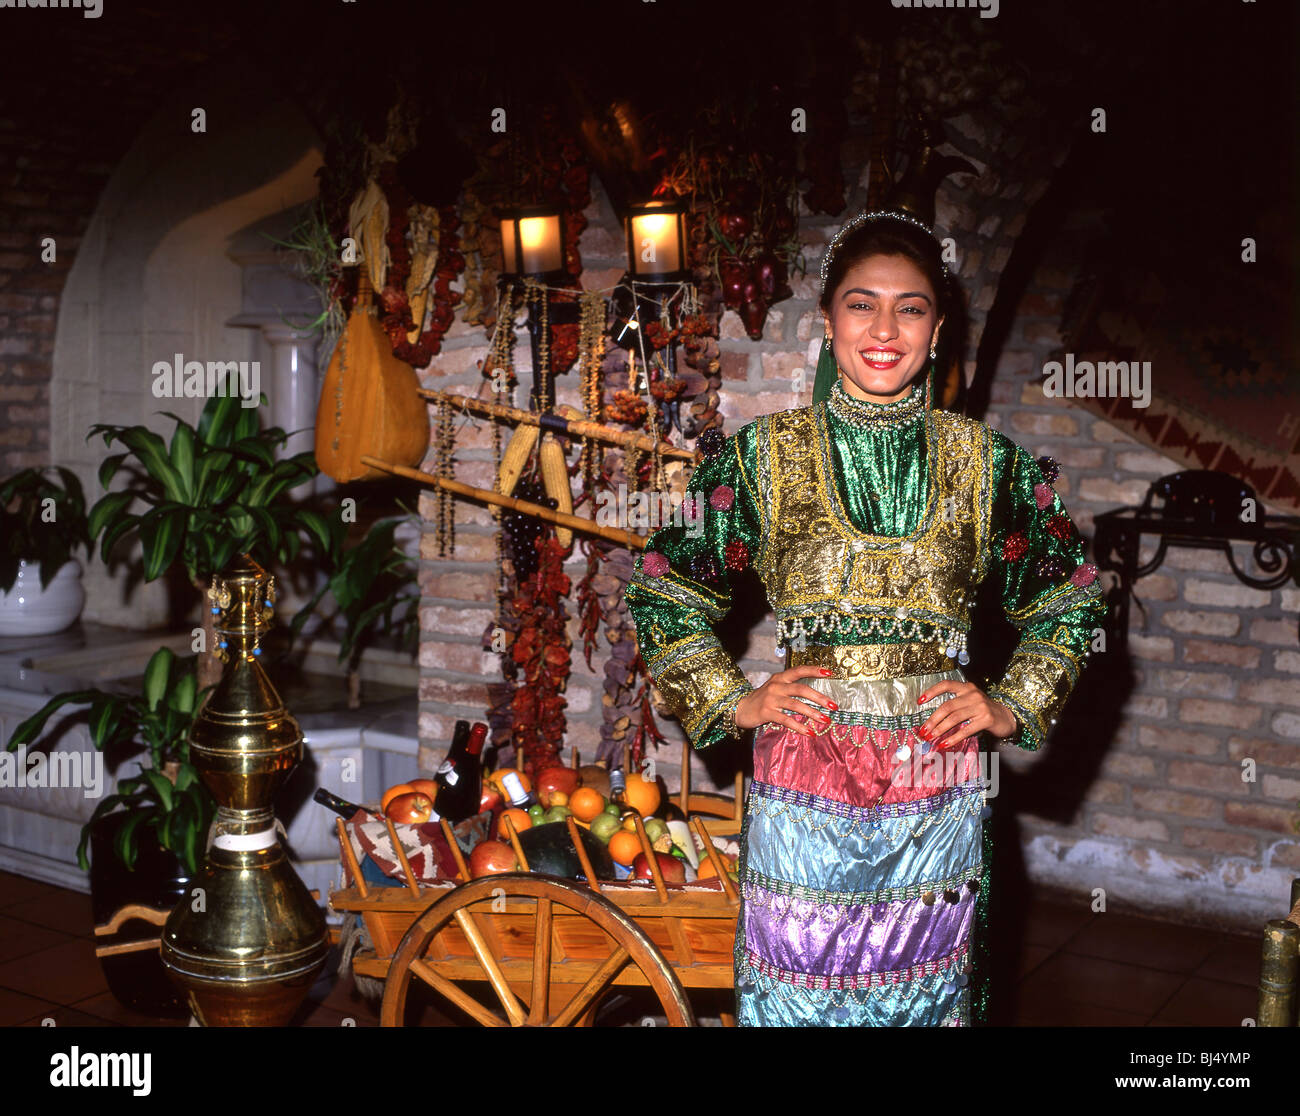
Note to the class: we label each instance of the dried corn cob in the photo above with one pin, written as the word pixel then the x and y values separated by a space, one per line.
pixel 516 457
pixel 555 475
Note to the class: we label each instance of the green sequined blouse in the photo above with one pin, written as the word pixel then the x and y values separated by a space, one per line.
pixel 869 526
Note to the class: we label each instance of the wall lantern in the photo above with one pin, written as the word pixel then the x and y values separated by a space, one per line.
pixel 532 242
pixel 656 242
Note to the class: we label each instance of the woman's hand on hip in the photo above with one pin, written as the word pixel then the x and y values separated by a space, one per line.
pixel 969 711
pixel 767 704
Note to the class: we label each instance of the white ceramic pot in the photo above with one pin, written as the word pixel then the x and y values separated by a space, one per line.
pixel 27 609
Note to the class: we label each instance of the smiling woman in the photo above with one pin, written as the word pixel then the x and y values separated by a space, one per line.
pixel 883 295
pixel 870 518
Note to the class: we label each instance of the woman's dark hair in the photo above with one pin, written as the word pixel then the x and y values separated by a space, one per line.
pixel 885 237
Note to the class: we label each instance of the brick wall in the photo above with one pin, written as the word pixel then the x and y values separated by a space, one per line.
pixel 45 191
pixel 1168 823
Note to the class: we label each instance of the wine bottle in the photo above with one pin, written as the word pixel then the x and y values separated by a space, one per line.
pixel 346 810
pixel 460 778
pixel 618 794
pixel 520 799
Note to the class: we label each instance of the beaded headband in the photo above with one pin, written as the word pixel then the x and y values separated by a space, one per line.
pixel 862 218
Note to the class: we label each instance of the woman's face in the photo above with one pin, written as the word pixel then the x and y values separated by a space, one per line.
pixel 881 323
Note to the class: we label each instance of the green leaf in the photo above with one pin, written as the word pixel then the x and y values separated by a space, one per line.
pixel 246 423
pixel 124 526
pixel 186 777
pixel 107 510
pixel 107 714
pixel 149 448
pixel 106 806
pixel 182 456
pixel 124 843
pixel 161 534
pixel 184 693
pixel 30 729
pixel 216 423
pixel 253 449
pixel 316 524
pixel 108 468
pixel 157 675
pixel 161 785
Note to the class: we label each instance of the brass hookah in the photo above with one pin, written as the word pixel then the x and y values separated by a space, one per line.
pixel 247 941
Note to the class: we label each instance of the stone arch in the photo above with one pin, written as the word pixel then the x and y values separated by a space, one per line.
pixel 153 276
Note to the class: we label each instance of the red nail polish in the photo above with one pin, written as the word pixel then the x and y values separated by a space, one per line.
pixel 825 672
pixel 920 700
pixel 832 705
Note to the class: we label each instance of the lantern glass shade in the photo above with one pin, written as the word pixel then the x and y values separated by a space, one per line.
pixel 532 242
pixel 656 240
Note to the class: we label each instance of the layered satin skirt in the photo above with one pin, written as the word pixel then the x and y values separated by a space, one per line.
pixel 861 865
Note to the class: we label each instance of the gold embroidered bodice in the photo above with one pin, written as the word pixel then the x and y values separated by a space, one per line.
pixel 963 503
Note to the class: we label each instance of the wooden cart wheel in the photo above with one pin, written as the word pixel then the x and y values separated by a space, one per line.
pixel 632 946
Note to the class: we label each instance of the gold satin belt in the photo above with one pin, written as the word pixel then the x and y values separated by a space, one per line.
pixel 877 660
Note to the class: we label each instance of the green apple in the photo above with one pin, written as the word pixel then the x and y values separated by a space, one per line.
pixel 538 813
pixel 614 808
pixel 604 826
pixel 655 828
pixel 557 813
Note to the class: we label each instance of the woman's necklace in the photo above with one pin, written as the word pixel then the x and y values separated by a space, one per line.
pixel 866 415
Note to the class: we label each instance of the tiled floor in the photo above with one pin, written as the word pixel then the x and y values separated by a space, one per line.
pixel 1076 968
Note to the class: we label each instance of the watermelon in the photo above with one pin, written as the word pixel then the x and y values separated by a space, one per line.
pixel 550 851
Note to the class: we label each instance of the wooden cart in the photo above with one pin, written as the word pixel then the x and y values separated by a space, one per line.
pixel 548 948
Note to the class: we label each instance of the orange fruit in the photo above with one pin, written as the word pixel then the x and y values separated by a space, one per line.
pixel 624 847
pixel 705 870
pixel 518 818
pixel 586 803
pixel 642 795
pixel 391 793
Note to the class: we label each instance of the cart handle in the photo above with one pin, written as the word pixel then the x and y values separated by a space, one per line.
pixel 509 827
pixel 653 860
pixel 411 881
pixel 583 858
pixel 711 850
pixel 462 868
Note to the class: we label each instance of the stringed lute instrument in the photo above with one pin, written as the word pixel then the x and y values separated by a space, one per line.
pixel 370 403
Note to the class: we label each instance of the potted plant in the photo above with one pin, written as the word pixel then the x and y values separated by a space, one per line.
pixel 42 525
pixel 370 582
pixel 148 838
pixel 216 491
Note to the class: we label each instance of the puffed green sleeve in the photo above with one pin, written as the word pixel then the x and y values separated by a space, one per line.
pixel 682 586
pixel 1049 593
